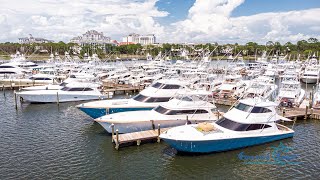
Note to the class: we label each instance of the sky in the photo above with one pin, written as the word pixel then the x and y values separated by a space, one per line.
pixel 172 21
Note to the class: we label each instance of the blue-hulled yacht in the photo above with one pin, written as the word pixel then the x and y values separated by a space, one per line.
pixel 251 122
pixel 159 92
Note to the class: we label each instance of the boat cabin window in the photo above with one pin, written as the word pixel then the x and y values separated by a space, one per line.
pixel 165 111
pixel 63 84
pixel 6 67
pixel 40 78
pixel 157 85
pixel 171 86
pixel 76 89
pixel 7 72
pixel 142 98
pixel 247 108
pixel 235 126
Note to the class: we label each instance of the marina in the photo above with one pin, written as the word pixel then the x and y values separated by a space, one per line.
pixel 159 89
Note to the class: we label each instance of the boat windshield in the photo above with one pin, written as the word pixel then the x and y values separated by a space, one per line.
pixel 165 111
pixel 157 85
pixel 76 89
pixel 251 109
pixel 147 99
pixel 236 126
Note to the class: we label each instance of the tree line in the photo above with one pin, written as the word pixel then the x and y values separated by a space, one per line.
pixel 304 48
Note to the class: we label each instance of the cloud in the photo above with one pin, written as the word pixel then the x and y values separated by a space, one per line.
pixel 63 19
pixel 207 21
pixel 210 21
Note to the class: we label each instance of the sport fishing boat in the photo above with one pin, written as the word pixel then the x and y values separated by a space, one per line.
pixel 290 92
pixel 316 98
pixel 311 74
pixel 178 111
pixel 251 122
pixel 147 99
pixel 71 92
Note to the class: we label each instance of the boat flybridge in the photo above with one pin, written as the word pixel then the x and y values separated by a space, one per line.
pixel 261 87
pixel 316 98
pixel 178 111
pixel 11 70
pixel 311 74
pixel 250 122
pixel 75 91
pixel 159 92
pixel 232 86
pixel 290 92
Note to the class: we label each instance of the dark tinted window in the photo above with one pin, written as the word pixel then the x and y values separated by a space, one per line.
pixel 63 84
pixel 243 107
pixel 260 110
pixel 76 89
pixel 7 72
pixel 6 67
pixel 40 78
pixel 247 108
pixel 235 126
pixel 165 111
pixel 147 99
pixel 157 85
pixel 171 86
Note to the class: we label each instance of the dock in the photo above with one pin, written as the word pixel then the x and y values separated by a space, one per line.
pixel 136 137
pixel 300 113
pixel 225 101
pixel 14 86
pixel 116 87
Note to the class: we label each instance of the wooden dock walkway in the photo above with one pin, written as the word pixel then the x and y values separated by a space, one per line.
pixel 113 87
pixel 136 137
pixel 300 113
pixel 18 86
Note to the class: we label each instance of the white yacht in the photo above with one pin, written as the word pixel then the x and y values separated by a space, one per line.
pixel 8 70
pixel 233 86
pixel 71 92
pixel 152 96
pixel 261 87
pixel 290 92
pixel 311 74
pixel 251 122
pixel 178 111
pixel 316 98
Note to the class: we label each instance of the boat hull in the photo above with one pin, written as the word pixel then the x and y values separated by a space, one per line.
pixel 52 98
pixel 98 112
pixel 210 146
pixel 309 80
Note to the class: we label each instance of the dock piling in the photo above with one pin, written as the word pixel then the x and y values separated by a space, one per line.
pixel 57 98
pixel 4 92
pixel 158 139
pixel 117 139
pixel 306 113
pixel 153 126
pixel 15 99
pixel 112 133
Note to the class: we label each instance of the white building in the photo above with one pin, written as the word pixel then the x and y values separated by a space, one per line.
pixel 139 39
pixel 31 39
pixel 91 37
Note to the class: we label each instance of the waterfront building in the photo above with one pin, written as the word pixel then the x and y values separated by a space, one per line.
pixel 31 39
pixel 139 39
pixel 91 38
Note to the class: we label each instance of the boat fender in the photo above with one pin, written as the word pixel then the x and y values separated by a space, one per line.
pixel 225 96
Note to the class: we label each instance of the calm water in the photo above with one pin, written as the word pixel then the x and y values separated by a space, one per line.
pixel 40 141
